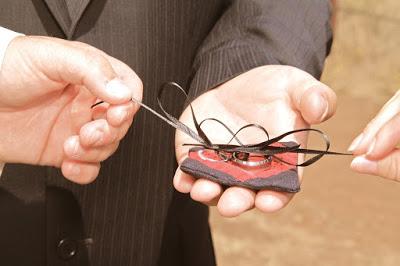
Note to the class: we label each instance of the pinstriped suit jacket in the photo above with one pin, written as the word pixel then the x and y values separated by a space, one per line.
pixel 130 215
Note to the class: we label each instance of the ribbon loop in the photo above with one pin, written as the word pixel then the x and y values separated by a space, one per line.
pixel 265 148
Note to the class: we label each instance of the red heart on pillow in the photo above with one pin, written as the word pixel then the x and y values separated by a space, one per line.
pixel 272 175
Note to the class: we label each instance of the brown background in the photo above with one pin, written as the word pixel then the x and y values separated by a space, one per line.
pixel 339 217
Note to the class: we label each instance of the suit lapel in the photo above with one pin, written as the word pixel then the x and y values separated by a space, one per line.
pixel 76 8
pixel 67 13
pixel 60 12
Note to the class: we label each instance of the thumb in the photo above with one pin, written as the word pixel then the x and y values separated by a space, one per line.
pixel 388 167
pixel 78 64
pixel 314 100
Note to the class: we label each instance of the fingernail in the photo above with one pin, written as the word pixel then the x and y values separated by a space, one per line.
pixel 363 165
pixel 323 106
pixel 355 142
pixel 320 105
pixel 273 202
pixel 117 89
pixel 371 148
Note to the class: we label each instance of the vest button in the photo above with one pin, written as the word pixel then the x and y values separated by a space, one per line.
pixel 66 249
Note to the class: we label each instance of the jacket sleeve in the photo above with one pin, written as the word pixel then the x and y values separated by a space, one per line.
pixel 6 36
pixel 252 33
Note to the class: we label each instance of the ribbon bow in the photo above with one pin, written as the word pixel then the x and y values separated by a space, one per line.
pixel 238 152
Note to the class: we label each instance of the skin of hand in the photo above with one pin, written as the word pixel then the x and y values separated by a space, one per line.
pixel 279 98
pixel 376 147
pixel 47 88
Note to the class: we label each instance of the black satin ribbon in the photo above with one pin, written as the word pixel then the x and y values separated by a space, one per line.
pixel 264 148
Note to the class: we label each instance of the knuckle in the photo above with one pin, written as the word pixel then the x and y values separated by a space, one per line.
pixel 95 62
pixel 78 44
pixel 85 62
pixel 84 47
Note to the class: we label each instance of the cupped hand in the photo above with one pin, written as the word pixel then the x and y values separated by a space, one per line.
pixel 279 98
pixel 376 148
pixel 47 88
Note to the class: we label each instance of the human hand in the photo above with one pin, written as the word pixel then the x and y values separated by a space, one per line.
pixel 47 87
pixel 376 147
pixel 279 98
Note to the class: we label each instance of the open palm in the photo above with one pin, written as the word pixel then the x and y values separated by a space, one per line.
pixel 279 98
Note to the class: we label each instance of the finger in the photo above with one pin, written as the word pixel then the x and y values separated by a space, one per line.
pixel 213 202
pixel 271 201
pixel 99 132
pixel 75 151
pixel 235 200
pixel 124 72
pixel 100 111
pixel 80 172
pixel 388 167
pixel 95 73
pixel 71 63
pixel 118 114
pixel 205 191
pixel 315 101
pixel 183 182
pixel 363 142
pixel 386 139
pixel 129 77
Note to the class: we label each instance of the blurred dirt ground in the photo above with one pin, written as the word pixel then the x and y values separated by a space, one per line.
pixel 339 217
